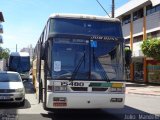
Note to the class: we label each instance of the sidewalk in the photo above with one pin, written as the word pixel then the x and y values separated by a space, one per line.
pixel 142 89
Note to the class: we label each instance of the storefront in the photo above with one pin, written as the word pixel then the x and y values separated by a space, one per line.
pixel 153 71
pixel 138 69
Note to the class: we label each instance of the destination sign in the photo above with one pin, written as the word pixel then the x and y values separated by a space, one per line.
pixel 104 38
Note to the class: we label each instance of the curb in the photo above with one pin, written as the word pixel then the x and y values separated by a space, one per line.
pixel 138 93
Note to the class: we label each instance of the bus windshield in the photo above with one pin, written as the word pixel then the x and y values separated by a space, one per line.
pixel 85 27
pixel 19 64
pixel 80 59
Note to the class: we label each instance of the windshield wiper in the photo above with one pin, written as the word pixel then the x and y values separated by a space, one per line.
pixel 96 61
pixel 78 66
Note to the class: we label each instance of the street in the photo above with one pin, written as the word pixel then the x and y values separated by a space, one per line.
pixel 137 106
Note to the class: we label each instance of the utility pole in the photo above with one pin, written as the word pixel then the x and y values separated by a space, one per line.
pixel 16 47
pixel 113 6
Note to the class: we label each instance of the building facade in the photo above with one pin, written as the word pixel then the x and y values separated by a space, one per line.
pixel 28 49
pixel 141 20
pixel 1 27
pixel 2 61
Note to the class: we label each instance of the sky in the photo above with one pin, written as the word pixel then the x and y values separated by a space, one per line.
pixel 25 19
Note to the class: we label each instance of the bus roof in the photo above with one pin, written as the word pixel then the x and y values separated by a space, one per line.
pixel 84 16
pixel 24 54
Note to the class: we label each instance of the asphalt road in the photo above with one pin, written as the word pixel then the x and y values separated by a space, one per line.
pixel 137 107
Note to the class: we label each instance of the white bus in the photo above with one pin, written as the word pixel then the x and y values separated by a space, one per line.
pixel 79 63
pixel 20 62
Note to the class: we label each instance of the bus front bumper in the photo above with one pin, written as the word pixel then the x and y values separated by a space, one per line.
pixel 84 100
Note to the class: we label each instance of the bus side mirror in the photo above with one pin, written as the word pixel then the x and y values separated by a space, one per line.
pixel 128 56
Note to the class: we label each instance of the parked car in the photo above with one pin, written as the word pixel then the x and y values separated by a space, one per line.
pixel 11 88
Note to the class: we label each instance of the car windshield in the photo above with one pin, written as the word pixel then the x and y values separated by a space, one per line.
pixel 9 77
pixel 79 59
pixel 19 64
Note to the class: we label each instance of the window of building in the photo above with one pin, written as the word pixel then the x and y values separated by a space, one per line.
pixel 158 7
pixel 137 39
pixel 127 41
pixel 152 9
pixel 126 19
pixel 158 35
pixel 138 14
pixel 155 34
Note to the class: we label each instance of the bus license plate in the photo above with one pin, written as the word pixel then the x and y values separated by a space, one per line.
pixel 4 97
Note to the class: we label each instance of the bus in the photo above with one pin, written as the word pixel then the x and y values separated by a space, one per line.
pixel 20 62
pixel 79 63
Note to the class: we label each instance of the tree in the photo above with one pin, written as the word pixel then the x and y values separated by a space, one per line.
pixel 151 48
pixel 128 55
pixel 4 53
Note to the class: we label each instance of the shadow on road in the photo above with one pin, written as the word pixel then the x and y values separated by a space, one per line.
pixel 104 114
pixel 15 105
pixel 136 85
pixel 140 84
pixel 81 115
pixel 29 88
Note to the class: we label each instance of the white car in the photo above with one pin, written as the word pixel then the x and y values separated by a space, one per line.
pixel 11 88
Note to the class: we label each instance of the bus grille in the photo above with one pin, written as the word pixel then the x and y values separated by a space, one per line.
pixel 7 90
pixel 86 89
pixel 79 88
pixel 99 89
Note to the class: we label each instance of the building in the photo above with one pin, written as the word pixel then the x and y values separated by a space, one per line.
pixel 28 49
pixel 1 27
pixel 2 61
pixel 141 19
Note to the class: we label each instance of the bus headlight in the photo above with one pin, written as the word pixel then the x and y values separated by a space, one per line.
pixel 60 88
pixel 117 90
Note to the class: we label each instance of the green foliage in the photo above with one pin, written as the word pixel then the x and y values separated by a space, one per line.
pixel 151 48
pixel 4 53
pixel 128 54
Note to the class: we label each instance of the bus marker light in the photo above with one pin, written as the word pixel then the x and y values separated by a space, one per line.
pixel 59 101
pixel 113 100
pixel 60 88
pixel 57 104
pixel 117 85
pixel 119 99
pixel 117 90
pixel 116 100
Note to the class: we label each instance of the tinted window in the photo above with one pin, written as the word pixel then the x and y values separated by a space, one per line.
pixel 9 77
pixel 126 19
pixel 138 14
pixel 152 9
pixel 158 8
pixel 19 64
pixel 82 59
pixel 85 27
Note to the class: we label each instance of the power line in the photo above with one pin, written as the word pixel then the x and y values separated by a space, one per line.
pixel 103 8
